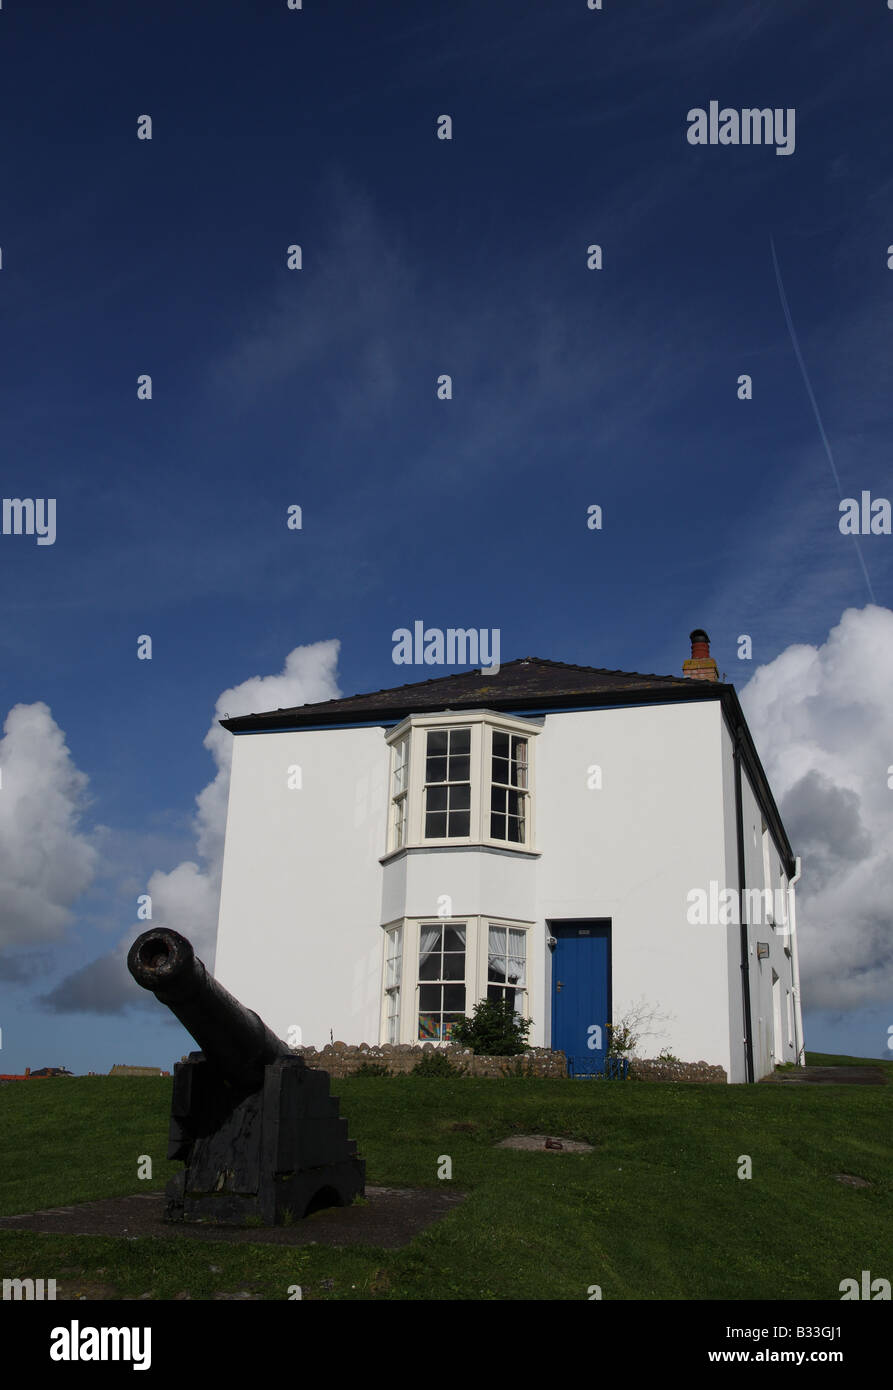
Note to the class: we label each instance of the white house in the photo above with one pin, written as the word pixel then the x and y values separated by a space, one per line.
pixel 582 841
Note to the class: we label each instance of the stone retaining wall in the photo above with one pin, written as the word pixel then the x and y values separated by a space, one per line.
pixel 340 1059
pixel 643 1070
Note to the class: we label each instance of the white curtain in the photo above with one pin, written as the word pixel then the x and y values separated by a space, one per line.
pixel 496 951
pixel 429 940
pixel 507 960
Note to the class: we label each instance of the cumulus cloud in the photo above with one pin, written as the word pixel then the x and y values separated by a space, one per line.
pixel 187 897
pixel 822 719
pixel 46 862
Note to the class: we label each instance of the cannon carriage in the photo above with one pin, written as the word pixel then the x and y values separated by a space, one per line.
pixel 257 1129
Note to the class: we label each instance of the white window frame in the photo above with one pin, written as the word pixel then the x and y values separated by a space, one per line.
pixel 398 786
pixel 393 991
pixel 522 789
pixel 452 732
pixel 499 925
pixel 461 923
pixel 481 723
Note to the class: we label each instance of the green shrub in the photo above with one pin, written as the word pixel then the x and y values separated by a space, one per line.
pixel 435 1064
pixel 622 1040
pixel 494 1030
pixel 372 1069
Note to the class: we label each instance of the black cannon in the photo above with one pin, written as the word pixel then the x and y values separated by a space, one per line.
pixel 257 1128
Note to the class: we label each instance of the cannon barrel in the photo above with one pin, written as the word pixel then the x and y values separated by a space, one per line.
pixel 232 1038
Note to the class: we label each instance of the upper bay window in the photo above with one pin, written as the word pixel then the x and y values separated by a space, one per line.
pixel 461 779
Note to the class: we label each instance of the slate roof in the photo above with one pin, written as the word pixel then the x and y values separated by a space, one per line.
pixel 527 683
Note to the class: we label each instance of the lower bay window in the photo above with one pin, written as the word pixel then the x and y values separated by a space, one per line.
pixel 448 967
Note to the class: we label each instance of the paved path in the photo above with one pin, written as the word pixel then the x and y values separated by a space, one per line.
pixel 393 1216
pixel 829 1076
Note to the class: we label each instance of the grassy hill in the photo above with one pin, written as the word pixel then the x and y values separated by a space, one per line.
pixel 656 1212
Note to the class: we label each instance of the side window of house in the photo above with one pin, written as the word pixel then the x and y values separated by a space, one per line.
pixel 507 966
pixel 399 793
pixel 447 784
pixel 441 980
pixel 508 790
pixel 393 971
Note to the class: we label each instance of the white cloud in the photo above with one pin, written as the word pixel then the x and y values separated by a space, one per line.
pixel 822 719
pixel 187 897
pixel 45 862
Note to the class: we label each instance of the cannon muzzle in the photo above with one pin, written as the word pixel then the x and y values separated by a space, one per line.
pixel 234 1039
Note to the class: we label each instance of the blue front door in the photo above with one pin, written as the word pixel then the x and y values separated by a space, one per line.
pixel 581 990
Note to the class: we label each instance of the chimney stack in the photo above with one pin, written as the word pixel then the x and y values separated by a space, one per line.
pixel 701 666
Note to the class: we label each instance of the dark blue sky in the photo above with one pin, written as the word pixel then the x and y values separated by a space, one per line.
pixel 421 256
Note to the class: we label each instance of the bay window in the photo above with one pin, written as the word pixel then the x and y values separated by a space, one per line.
pixel 461 779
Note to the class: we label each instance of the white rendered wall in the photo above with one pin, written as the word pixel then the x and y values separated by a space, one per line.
pixel 632 851
pixel 298 937
pixel 776 939
pixel 737 1052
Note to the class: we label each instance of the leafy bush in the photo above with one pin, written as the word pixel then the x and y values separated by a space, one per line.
pixel 372 1069
pixel 623 1040
pixel 494 1030
pixel 667 1056
pixel 435 1064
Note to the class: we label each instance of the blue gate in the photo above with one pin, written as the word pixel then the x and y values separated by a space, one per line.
pixel 611 1068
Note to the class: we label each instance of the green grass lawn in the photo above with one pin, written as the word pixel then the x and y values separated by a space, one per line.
pixel 656 1212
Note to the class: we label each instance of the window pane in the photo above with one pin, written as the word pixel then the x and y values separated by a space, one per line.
pixel 495 992
pixel 429 1026
pixel 460 824
pixel 500 770
pixel 454 938
pixel 460 741
pixel 450 1021
pixel 437 741
pixel 453 967
pixel 497 799
pixel 460 769
pixel 429 998
pixel 500 745
pixel 429 969
pixel 460 798
pixel 515 831
pixel 435 770
pixel 436 798
pixel 497 827
pixel 435 825
pixel 454 997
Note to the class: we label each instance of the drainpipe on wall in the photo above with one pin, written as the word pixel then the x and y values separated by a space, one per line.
pixel 745 959
pixel 799 1042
